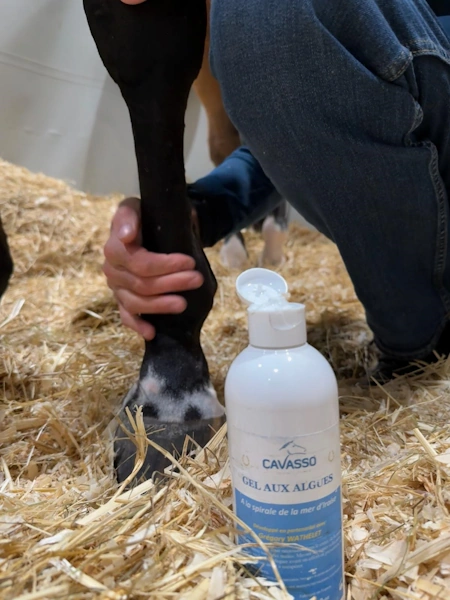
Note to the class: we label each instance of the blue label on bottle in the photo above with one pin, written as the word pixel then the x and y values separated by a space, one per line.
pixel 310 558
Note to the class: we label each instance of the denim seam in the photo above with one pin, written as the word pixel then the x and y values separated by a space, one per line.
pixel 439 265
pixel 442 240
pixel 441 244
pixel 422 353
pixel 439 189
pixel 386 73
pixel 433 50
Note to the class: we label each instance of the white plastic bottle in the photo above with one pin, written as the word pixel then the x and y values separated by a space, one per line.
pixel 283 434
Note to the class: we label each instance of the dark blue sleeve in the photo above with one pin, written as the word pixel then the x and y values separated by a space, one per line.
pixel 445 23
pixel 233 196
pixel 440 7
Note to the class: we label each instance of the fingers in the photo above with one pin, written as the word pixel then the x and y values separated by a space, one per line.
pixel 152 286
pixel 123 248
pixel 152 305
pixel 140 262
pixel 126 221
pixel 144 329
pixel 144 282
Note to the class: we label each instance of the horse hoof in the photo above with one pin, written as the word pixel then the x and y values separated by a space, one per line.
pixel 170 436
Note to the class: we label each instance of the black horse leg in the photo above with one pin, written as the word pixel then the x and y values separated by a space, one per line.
pixel 154 51
pixel 6 263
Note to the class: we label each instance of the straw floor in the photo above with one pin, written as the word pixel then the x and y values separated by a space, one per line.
pixel 67 531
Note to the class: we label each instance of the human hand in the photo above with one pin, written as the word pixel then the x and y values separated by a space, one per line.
pixel 144 282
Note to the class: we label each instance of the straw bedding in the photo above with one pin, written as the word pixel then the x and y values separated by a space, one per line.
pixel 68 531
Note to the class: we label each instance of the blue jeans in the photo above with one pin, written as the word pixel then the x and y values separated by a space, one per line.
pixel 345 109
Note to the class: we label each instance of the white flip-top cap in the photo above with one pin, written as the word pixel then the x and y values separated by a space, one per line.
pixel 273 322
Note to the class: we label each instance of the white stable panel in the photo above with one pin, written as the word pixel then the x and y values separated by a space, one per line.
pixel 61 114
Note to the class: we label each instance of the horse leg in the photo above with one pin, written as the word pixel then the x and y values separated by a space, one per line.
pixel 154 51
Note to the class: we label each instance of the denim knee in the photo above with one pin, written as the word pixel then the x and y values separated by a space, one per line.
pixel 327 98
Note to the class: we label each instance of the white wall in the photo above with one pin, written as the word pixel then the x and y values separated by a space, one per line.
pixel 60 113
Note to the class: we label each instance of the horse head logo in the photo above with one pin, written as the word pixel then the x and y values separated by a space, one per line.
pixel 292 448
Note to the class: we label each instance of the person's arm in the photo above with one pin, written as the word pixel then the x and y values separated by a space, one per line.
pixel 233 196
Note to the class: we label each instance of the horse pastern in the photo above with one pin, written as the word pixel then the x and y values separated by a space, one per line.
pixel 156 401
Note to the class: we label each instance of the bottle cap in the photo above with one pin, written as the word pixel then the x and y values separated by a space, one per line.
pixel 273 322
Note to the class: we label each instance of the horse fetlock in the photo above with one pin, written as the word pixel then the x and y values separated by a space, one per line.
pixel 176 398
pixel 161 400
